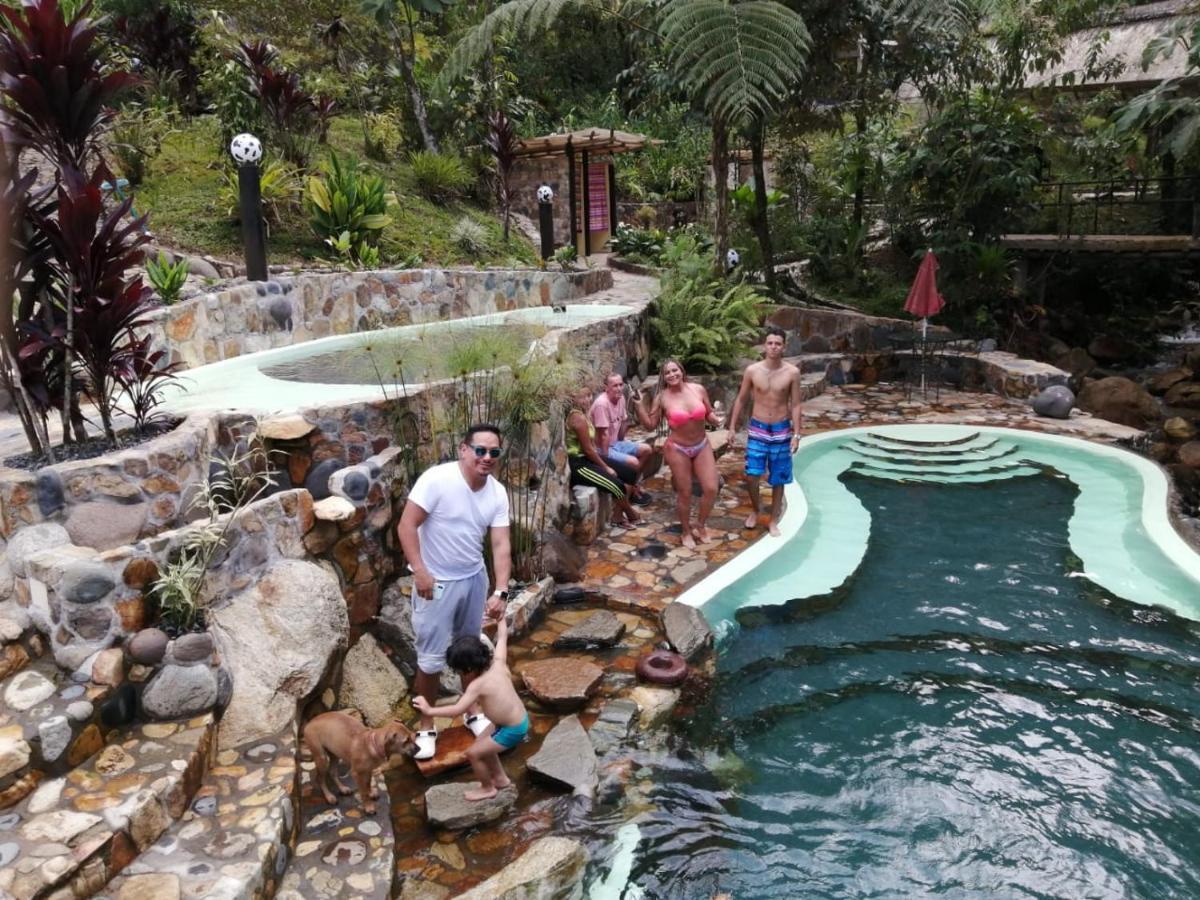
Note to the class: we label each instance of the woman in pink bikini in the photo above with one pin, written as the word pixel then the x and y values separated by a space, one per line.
pixel 687 409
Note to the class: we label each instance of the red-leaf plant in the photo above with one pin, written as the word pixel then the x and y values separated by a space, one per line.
pixel 53 77
pixel 146 374
pixel 92 252
pixel 290 111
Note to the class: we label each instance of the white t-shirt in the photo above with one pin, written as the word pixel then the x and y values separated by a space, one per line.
pixel 458 518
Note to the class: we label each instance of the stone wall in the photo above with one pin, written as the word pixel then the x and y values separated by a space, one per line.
pixel 249 317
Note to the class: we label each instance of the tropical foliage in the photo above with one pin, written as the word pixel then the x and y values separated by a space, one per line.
pixel 348 205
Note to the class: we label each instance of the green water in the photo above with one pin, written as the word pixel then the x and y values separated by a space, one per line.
pixel 412 357
pixel 963 719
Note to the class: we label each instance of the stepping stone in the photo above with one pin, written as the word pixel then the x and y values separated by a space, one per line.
pixel 616 720
pixel 445 806
pixel 452 745
pixel 601 629
pixel 686 629
pixel 566 758
pixel 562 684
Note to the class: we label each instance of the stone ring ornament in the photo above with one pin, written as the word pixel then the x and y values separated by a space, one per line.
pixel 245 149
pixel 662 667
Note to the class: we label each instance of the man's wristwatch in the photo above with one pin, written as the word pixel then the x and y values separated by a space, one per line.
pixel 503 595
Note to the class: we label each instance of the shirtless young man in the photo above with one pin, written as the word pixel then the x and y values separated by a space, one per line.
pixel 774 428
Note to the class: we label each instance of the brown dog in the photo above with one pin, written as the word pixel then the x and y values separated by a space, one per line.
pixel 363 749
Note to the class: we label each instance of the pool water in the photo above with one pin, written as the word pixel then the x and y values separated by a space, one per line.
pixel 411 357
pixel 965 717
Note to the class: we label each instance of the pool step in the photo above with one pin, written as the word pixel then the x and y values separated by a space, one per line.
pixel 235 837
pixel 74 833
pixel 971 459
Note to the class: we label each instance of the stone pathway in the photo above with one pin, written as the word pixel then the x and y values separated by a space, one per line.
pixel 340 852
pixel 233 839
pixel 79 830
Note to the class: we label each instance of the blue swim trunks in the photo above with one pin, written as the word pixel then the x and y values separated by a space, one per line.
pixel 511 735
pixel 769 447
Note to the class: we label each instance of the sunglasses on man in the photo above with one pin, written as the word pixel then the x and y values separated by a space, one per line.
pixel 481 452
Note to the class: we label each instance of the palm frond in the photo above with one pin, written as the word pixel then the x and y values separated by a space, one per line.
pixel 740 58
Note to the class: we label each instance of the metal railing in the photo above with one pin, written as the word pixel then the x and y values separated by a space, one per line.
pixel 1131 206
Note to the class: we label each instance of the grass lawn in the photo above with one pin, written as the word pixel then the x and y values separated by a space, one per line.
pixel 182 193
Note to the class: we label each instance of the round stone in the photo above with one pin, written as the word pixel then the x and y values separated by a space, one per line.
pixel 205 806
pixel 86 582
pixel 72 691
pixel 370 828
pixel 147 646
pixel 27 690
pixel 8 852
pixel 192 648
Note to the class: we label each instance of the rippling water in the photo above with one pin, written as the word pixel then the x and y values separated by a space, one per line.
pixel 964 719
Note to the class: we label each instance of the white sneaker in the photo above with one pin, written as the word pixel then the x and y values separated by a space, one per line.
pixel 426 744
pixel 477 723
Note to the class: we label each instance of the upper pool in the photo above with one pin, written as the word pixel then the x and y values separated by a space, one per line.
pixel 362 366
pixel 970 669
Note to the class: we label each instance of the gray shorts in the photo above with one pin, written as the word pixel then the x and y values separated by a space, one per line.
pixel 456 609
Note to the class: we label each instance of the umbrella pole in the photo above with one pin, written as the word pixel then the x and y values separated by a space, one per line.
pixel 924 335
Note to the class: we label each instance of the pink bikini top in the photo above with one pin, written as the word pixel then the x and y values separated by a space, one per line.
pixel 677 418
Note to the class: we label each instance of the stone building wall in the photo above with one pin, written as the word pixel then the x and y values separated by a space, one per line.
pixel 530 174
pixel 287 310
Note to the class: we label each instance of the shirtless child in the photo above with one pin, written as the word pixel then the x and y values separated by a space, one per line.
pixel 774 428
pixel 489 683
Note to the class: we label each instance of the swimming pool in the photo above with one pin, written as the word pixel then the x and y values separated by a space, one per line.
pixel 349 368
pixel 971 671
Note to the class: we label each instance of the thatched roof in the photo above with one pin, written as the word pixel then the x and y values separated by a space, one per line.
pixel 594 140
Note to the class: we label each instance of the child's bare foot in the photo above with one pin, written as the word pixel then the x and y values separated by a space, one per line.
pixel 751 521
pixel 688 541
pixel 502 783
pixel 481 794
pixel 702 535
pixel 773 529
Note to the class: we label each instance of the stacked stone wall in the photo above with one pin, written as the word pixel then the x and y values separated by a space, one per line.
pixel 286 310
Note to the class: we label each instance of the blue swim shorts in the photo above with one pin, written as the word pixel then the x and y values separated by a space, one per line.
pixel 511 735
pixel 769 447
pixel 624 452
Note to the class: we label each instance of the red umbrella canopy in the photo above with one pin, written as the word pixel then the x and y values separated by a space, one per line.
pixel 923 297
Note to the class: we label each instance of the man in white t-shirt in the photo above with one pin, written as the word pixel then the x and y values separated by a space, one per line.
pixel 611 419
pixel 449 510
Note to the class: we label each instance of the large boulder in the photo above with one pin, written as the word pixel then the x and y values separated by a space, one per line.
pixel 1189 454
pixel 1164 381
pixel 600 629
pixel 567 758
pixel 1076 361
pixel 1119 400
pixel 563 560
pixel 394 624
pixel 1110 348
pixel 1186 394
pixel 277 638
pixel 370 683
pixel 1054 402
pixel 34 539
pixel 1179 429
pixel 179 691
pixel 104 524
pixel 551 868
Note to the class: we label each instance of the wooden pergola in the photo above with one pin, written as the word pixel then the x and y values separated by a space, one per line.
pixel 585 143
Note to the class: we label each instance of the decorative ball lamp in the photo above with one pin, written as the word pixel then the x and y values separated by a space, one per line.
pixel 732 259
pixel 247 151
pixel 545 196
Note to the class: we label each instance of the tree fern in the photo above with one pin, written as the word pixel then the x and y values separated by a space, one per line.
pixel 741 59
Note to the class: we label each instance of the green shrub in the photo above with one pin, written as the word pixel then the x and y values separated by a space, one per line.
pixel 440 177
pixel 167 277
pixel 566 257
pixel 137 138
pixel 279 186
pixel 471 237
pixel 638 244
pixel 348 200
pixel 705 324
pixel 361 255
pixel 383 133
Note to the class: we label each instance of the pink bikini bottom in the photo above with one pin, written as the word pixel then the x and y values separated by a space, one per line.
pixel 693 451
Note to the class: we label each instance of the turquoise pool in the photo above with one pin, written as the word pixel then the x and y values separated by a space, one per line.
pixel 970 670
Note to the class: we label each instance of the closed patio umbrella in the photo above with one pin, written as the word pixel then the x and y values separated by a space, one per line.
pixel 924 300
pixel 923 297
